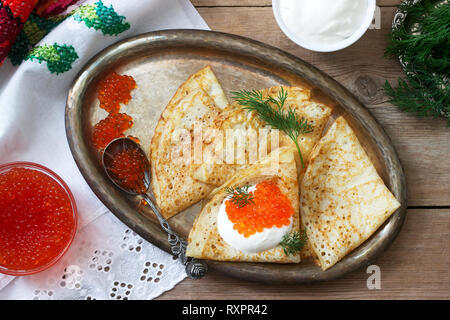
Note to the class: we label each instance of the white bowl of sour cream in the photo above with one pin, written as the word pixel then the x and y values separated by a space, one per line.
pixel 324 25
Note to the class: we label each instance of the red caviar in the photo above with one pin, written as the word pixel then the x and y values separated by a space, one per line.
pixel 37 220
pixel 115 89
pixel 270 208
pixel 129 167
pixel 110 128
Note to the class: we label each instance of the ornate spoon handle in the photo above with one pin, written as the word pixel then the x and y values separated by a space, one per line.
pixel 195 269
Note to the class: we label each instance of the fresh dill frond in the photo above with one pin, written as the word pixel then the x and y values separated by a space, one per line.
pixel 240 196
pixel 278 117
pixel 422 43
pixel 293 242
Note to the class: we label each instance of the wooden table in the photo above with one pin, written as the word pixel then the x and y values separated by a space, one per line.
pixel 417 264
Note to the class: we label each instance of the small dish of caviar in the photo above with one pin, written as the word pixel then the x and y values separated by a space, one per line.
pixel 38 218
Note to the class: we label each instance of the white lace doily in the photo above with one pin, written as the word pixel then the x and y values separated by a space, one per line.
pixel 106 261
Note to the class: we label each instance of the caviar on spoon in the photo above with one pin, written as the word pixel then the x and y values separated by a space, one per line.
pixel 128 168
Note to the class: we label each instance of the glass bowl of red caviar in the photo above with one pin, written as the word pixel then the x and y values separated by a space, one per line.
pixel 38 218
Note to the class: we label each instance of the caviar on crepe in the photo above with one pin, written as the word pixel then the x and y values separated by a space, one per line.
pixel 269 208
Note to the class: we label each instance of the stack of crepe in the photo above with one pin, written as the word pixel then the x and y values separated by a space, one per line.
pixel 343 199
pixel 197 101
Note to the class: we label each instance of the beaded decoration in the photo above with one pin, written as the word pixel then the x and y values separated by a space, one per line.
pixel 59 58
pixel 13 14
pixel 20 9
pixel 20 38
pixel 46 8
pixel 33 31
pixel 98 16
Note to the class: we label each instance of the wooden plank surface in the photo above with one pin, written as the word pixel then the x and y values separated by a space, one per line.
pixel 415 266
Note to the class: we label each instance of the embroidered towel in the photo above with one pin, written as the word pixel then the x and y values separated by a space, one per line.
pixel 34 90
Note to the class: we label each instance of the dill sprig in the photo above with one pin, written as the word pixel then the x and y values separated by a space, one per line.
pixel 423 44
pixel 240 196
pixel 293 242
pixel 278 117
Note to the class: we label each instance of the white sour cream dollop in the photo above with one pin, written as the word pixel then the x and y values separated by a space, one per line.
pixel 323 21
pixel 257 242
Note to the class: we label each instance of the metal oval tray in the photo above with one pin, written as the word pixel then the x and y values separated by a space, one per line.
pixel 160 61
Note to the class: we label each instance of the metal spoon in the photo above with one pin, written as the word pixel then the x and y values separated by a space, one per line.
pixel 195 269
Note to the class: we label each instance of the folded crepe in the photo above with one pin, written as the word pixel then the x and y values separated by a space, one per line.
pixel 343 199
pixel 218 168
pixel 196 103
pixel 204 239
pixel 233 123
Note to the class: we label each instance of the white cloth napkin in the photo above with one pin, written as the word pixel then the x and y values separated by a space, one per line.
pixel 32 102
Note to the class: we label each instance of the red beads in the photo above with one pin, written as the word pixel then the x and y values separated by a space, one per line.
pixel 113 90
pixel 20 8
pixel 9 27
pixel 129 167
pixel 110 128
pixel 37 220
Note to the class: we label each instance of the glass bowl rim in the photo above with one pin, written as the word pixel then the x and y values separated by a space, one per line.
pixel 35 166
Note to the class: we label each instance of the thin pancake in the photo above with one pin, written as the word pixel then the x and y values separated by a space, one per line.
pixel 204 239
pixel 235 117
pixel 196 103
pixel 343 199
pixel 216 167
